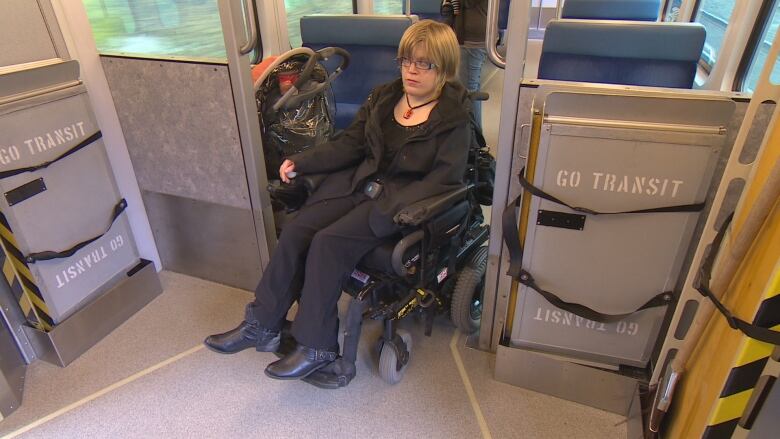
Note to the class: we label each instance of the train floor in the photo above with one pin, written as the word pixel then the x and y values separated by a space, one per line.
pixel 152 378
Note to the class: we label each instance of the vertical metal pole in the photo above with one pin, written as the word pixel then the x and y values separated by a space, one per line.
pixel 493 315
pixel 233 27
pixel 686 11
pixel 364 7
pixel 539 16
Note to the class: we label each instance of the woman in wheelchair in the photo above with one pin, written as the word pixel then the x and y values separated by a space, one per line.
pixel 409 141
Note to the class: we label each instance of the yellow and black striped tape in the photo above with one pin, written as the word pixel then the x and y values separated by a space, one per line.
pixel 743 377
pixel 17 274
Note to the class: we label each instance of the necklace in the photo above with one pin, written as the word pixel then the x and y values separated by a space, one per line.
pixel 408 113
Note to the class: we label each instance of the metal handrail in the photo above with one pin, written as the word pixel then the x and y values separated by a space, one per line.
pixel 491 35
pixel 249 19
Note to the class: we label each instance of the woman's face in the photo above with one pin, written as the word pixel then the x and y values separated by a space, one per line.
pixel 417 81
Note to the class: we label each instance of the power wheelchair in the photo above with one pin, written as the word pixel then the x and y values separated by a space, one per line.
pixel 436 265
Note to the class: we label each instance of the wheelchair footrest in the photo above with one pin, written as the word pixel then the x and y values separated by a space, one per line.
pixel 333 376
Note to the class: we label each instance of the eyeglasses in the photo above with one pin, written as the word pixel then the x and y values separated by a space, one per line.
pixel 421 65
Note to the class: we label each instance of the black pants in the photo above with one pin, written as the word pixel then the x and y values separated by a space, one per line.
pixel 323 242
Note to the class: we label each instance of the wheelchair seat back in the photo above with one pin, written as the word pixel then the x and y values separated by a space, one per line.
pixel 440 229
pixel 372 40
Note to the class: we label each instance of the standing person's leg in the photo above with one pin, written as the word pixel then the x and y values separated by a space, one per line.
pixel 470 73
pixel 274 293
pixel 334 252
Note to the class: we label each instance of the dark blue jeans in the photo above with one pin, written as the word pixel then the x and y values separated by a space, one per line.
pixel 470 73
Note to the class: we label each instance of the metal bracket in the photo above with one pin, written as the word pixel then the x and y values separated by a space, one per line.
pixel 25 191
pixel 551 218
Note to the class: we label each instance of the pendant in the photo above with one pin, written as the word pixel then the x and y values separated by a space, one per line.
pixel 408 114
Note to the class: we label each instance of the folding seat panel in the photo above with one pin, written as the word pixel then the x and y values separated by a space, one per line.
pixel 71 204
pixel 613 154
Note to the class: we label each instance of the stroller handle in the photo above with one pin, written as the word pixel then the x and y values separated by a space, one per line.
pixel 327 52
pixel 292 97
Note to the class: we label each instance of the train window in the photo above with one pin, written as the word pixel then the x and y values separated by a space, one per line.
pixel 672 10
pixel 388 7
pixel 298 8
pixel 760 49
pixel 714 15
pixel 180 28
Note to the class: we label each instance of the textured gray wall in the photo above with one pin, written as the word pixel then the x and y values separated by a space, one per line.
pixel 180 126
pixel 205 240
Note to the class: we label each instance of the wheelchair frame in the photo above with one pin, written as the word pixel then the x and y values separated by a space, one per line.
pixel 381 296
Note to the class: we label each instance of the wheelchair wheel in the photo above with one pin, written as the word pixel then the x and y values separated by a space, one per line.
pixel 466 309
pixel 388 360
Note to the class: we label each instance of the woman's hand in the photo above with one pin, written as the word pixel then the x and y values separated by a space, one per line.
pixel 287 170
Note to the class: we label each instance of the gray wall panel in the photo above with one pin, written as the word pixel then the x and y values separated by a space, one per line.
pixel 205 240
pixel 180 125
pixel 24 36
pixel 12 371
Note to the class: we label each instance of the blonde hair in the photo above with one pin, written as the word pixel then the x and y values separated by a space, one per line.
pixel 440 45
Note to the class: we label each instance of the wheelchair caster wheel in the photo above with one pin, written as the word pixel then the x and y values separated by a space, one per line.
pixel 466 310
pixel 390 368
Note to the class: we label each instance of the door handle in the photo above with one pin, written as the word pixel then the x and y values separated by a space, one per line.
pixel 249 16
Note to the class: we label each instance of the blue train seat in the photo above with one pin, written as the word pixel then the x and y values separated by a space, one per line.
pixel 622 52
pixel 372 40
pixel 638 10
pixel 425 9
pixel 503 18
pixel 503 14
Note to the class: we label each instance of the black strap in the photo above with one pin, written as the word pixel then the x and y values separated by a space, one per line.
pixel 83 144
pixel 696 207
pixel 512 241
pixel 457 240
pixel 512 237
pixel 583 311
pixel 48 255
pixel 759 333
pixel 478 136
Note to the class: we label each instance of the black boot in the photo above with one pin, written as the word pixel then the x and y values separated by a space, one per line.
pixel 302 362
pixel 248 334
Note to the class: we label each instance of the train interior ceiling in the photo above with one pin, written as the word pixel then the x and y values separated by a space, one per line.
pixel 622 279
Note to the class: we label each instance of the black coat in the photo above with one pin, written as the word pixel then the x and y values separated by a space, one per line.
pixel 470 24
pixel 432 160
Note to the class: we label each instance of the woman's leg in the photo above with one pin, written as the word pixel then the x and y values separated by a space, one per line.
pixel 277 290
pixel 333 254
pixel 274 294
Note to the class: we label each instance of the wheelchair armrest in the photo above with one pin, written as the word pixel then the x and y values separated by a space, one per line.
pixel 313 181
pixel 400 249
pixel 421 211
